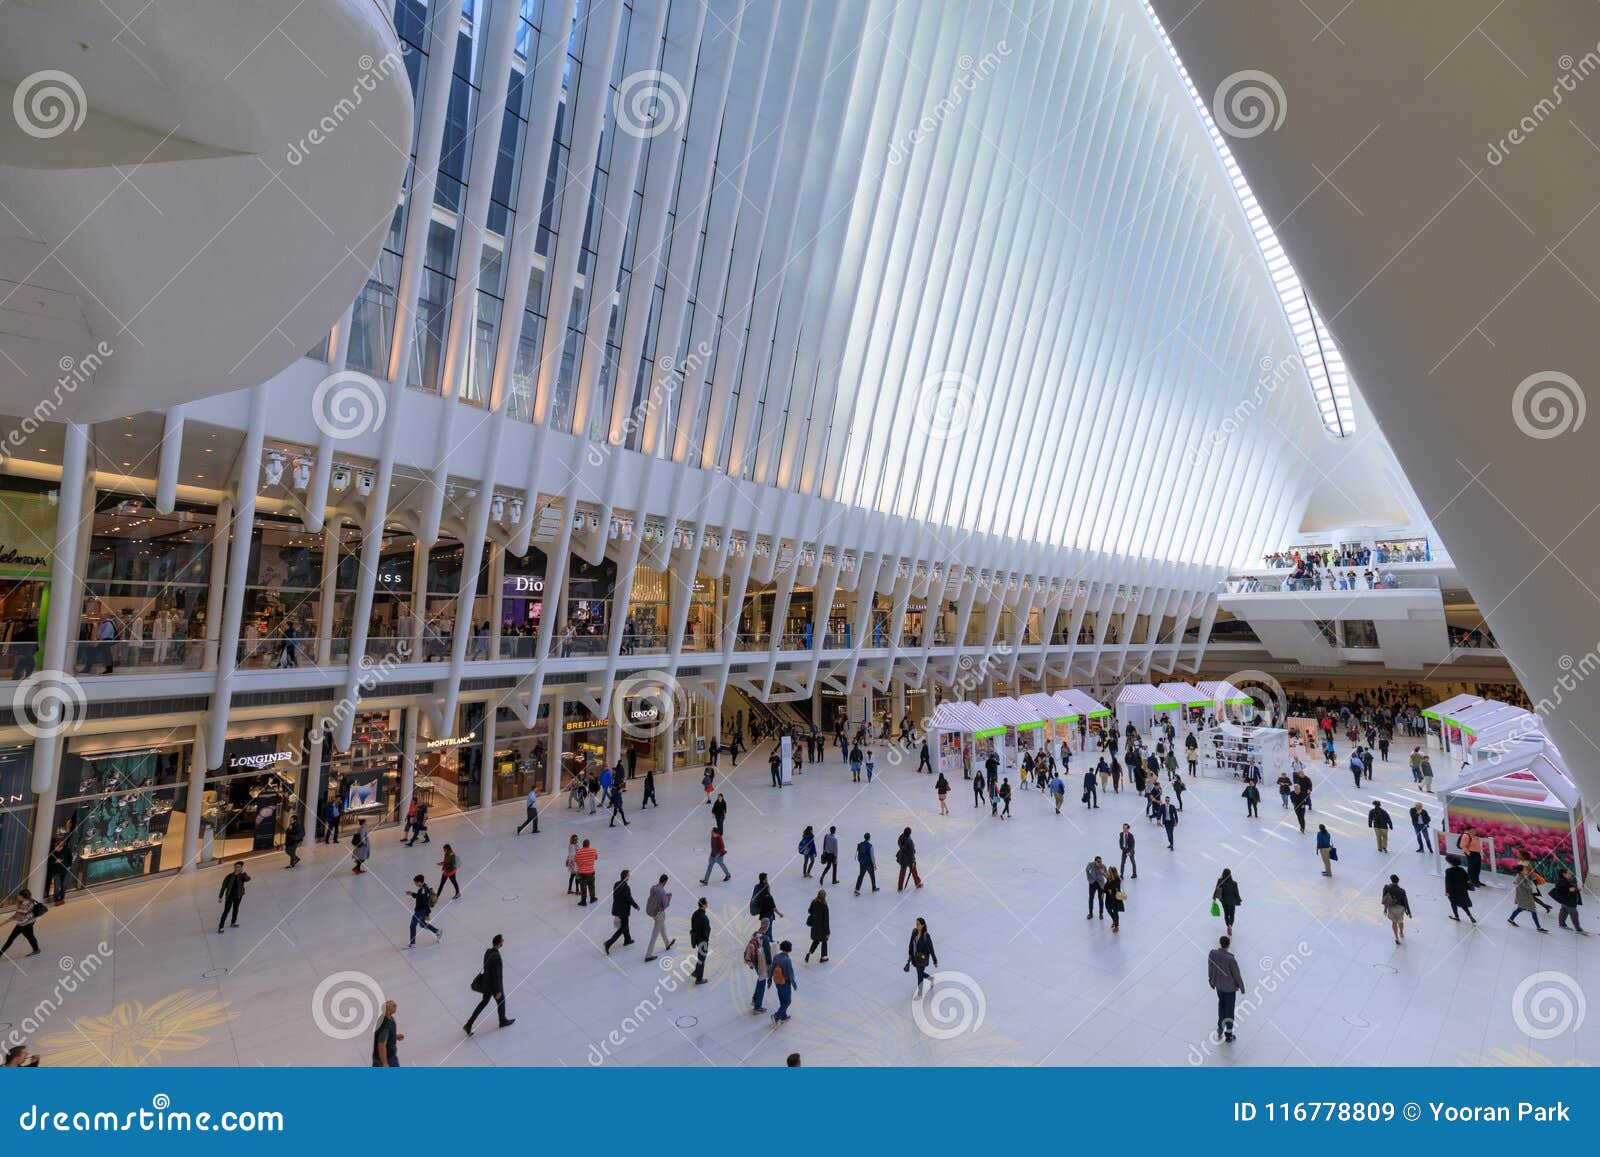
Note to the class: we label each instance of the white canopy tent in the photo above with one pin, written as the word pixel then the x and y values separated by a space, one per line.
pixel 1143 705
pixel 1519 795
pixel 1262 752
pixel 1490 720
pixel 1025 728
pixel 1063 721
pixel 1228 702
pixel 963 733
pixel 1080 705
pixel 1191 697
pixel 1439 715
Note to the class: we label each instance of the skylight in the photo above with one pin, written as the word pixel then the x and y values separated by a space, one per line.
pixel 1324 365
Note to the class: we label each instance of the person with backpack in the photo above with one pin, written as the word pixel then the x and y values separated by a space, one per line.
pixel 784 979
pixel 868 862
pixel 623 906
pixel 830 854
pixel 817 921
pixel 906 856
pixel 758 956
pixel 719 849
pixel 655 907
pixel 360 847
pixel 762 903
pixel 700 939
pixel 807 850
pixel 490 985
pixel 920 953
pixel 448 867
pixel 23 914
pixel 423 899
pixel 231 894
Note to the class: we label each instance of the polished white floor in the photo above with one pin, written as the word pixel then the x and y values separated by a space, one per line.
pixel 1004 900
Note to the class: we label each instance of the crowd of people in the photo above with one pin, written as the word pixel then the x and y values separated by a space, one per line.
pixel 1352 555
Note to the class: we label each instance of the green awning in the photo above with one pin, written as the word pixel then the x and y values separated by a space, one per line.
pixel 1033 726
pixel 1066 718
pixel 1430 715
pixel 1199 703
pixel 1165 706
pixel 1104 711
pixel 988 733
pixel 1239 701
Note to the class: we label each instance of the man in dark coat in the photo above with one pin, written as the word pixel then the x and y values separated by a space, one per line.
pixel 491 984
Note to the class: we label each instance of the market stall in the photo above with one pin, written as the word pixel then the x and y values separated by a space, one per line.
pixel 1094 716
pixel 1438 717
pixel 963 735
pixel 1063 721
pixel 1144 706
pixel 1237 750
pixel 1025 729
pixel 1195 703
pixel 1229 703
pixel 1519 795
pixel 1489 721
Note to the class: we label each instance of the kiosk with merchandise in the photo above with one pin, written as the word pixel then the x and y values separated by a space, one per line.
pixel 1092 715
pixel 1145 706
pixel 1227 702
pixel 1262 753
pixel 1062 726
pixel 1520 796
pixel 1438 717
pixel 1193 702
pixel 1024 729
pixel 1490 721
pixel 963 735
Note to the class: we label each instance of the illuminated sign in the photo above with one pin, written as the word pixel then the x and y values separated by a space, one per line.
pixel 446 742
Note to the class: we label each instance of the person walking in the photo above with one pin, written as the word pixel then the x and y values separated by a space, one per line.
pixel 422 901
pixel 1421 822
pixel 1357 768
pixel 1427 774
pixel 1458 890
pixel 708 781
pixel 655 907
pixel 386 1039
pixel 230 895
pixel 979 791
pixel 1226 897
pixel 59 869
pixel 1300 801
pixel 1116 898
pixel 1224 977
pixel 1527 898
pixel 292 839
pixel 1252 801
pixel 608 780
pixel 1285 786
pixel 532 820
pixel 700 939
pixel 762 901
pixel 24 912
pixel 807 850
pixel 1381 823
pixel 1325 849
pixel 1396 906
pixel 783 978
pixel 923 761
pixel 490 985
pixel 649 798
pixel 1095 873
pixel 920 953
pixel 1568 897
pixel 941 787
pixel 331 814
pixel 411 819
pixel 830 855
pixel 905 855
pixel 1471 846
pixel 1167 813
pixel 584 860
pixel 716 859
pixel 1091 790
pixel 447 872
pixel 360 847
pixel 623 905
pixel 419 826
pixel 758 955
pixel 1125 845
pixel 868 862
pixel 618 785
pixel 817 921
pixel 719 812
pixel 1005 798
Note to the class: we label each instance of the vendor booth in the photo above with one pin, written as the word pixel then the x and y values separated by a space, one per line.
pixel 1025 729
pixel 1520 797
pixel 963 736
pixel 1490 721
pixel 1195 703
pixel 1094 716
pixel 1259 753
pixel 1229 703
pixel 1438 717
pixel 1145 705
pixel 1063 720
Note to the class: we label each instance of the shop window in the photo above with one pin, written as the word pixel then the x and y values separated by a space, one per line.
pixel 121 809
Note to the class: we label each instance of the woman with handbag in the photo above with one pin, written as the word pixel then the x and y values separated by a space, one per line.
pixel 919 952
pixel 27 910
pixel 1396 906
pixel 1225 898
pixel 1116 898
pixel 817 921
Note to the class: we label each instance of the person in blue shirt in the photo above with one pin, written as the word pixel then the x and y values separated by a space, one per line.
pixel 606 780
pixel 867 861
pixel 1325 849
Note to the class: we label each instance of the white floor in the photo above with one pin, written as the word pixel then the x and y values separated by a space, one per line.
pixel 1004 901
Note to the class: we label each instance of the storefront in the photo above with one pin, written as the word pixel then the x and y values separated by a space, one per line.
pixel 583 745
pixel 121 804
pixel 27 528
pixel 249 800
pixel 521 754
pixel 366 779
pixel 450 767
pixel 16 815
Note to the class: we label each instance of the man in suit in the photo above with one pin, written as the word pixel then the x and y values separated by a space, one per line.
pixel 622 905
pixel 232 892
pixel 1222 973
pixel 700 939
pixel 491 983
pixel 1125 842
pixel 1167 813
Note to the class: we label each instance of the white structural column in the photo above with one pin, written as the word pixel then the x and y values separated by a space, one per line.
pixel 329 592
pixel 195 819
pixel 167 466
pixel 486 775
pixel 216 589
pixel 65 571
